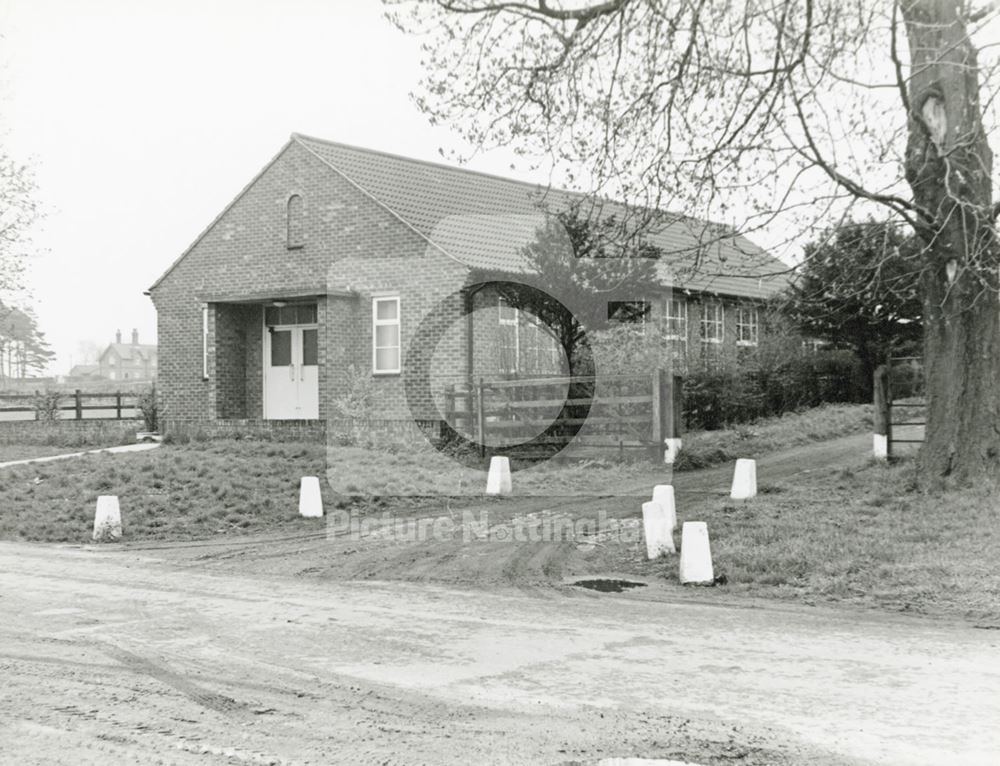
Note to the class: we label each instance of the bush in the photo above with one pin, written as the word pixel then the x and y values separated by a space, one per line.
pixel 46 406
pixel 762 386
pixel 146 404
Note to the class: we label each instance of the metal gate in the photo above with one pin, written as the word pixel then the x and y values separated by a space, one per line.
pixel 907 401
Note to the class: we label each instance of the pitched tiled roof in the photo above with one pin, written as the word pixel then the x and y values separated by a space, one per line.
pixel 128 351
pixel 485 221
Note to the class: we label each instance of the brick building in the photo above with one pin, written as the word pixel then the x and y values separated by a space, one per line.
pixel 132 361
pixel 336 262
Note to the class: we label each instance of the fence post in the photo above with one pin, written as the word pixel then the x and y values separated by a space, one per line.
pixel 480 419
pixel 676 406
pixel 118 405
pixel 78 404
pixel 658 418
pixel 882 438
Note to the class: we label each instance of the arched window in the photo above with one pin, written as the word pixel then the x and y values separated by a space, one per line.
pixel 294 222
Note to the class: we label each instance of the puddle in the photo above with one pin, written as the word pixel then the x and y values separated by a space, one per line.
pixel 605 585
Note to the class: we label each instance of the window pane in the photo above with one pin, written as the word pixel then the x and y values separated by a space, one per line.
pixel 387 336
pixel 386 359
pixel 281 348
pixel 508 314
pixel 305 313
pixel 386 309
pixel 309 347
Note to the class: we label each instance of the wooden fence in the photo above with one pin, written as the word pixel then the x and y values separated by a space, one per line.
pixel 541 416
pixel 73 405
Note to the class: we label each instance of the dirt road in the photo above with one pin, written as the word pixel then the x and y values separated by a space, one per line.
pixel 122 657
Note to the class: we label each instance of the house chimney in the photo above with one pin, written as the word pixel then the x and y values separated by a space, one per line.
pixel 118 336
pixel 135 337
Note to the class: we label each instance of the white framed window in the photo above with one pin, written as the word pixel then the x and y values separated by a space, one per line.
pixel 385 336
pixel 713 318
pixel 509 321
pixel 676 319
pixel 747 326
pixel 204 342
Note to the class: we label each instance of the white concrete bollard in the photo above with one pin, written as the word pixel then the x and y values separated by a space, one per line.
pixel 310 498
pixel 696 554
pixel 880 446
pixel 107 519
pixel 498 481
pixel 673 446
pixel 744 480
pixel 656 530
pixel 664 495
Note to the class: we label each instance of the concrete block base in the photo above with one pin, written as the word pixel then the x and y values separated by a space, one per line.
pixel 310 498
pixel 696 555
pixel 498 480
pixel 656 530
pixel 744 480
pixel 107 520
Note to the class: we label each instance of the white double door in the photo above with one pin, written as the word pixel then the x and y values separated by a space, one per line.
pixel 291 372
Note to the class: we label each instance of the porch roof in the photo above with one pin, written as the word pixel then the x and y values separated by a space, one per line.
pixel 266 296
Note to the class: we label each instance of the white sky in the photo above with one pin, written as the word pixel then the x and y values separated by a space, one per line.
pixel 144 119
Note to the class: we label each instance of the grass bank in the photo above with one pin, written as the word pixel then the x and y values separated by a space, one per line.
pixel 707 448
pixel 174 492
pixel 867 537
pixel 204 488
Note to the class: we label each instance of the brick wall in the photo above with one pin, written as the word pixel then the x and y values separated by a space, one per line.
pixel 352 249
pixel 349 243
pixel 71 433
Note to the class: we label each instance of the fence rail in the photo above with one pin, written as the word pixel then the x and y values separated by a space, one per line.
pixel 75 405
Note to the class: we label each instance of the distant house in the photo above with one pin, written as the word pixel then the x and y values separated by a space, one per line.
pixel 128 361
pixel 84 372
pixel 337 259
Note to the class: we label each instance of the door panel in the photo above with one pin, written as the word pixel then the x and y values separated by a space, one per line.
pixel 308 373
pixel 291 374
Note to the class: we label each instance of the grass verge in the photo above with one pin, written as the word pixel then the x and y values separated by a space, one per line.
pixel 707 448
pixel 867 537
pixel 177 493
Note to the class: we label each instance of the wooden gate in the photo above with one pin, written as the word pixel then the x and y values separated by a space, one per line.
pixel 539 417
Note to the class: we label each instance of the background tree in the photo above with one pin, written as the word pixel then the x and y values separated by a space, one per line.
pixel 585 271
pixel 782 114
pixel 859 289
pixel 23 348
pixel 18 212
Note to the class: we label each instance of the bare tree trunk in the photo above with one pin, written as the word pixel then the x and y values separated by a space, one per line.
pixel 948 166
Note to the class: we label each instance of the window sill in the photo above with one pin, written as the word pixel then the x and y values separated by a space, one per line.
pixel 746 343
pixel 386 373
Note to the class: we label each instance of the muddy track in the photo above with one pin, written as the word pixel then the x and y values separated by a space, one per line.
pixel 103 660
pixel 500 560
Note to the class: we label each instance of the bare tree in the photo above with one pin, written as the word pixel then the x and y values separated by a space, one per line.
pixel 18 211
pixel 773 115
